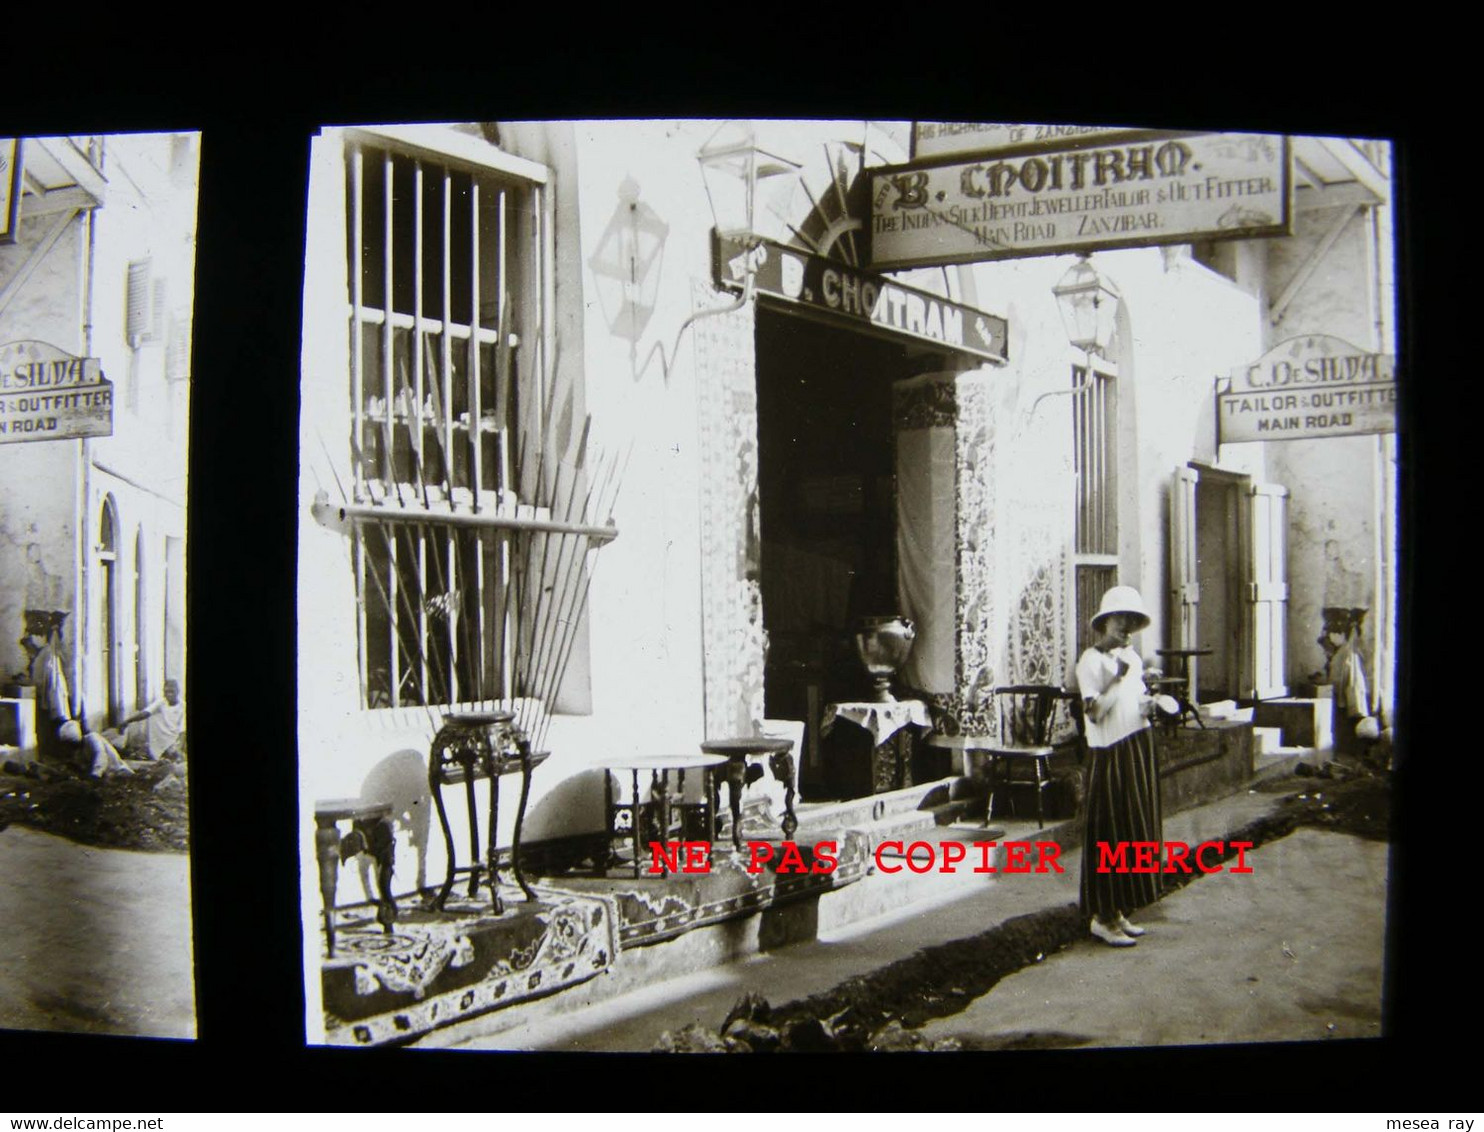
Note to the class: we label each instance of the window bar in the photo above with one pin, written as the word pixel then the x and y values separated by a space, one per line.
pixel 475 438
pixel 1084 452
pixel 1095 463
pixel 1099 447
pixel 502 328
pixel 419 438
pixel 450 469
pixel 476 406
pixel 1094 452
pixel 1110 461
pixel 358 437
pixel 1076 462
pixel 544 255
pixel 505 657
pixel 1095 458
pixel 1079 422
pixel 1110 413
pixel 389 469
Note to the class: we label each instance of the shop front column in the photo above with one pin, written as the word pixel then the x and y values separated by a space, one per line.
pixel 732 635
pixel 945 428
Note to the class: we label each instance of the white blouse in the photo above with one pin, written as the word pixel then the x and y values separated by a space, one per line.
pixel 1096 672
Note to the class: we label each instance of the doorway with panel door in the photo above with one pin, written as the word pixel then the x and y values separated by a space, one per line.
pixel 1229 582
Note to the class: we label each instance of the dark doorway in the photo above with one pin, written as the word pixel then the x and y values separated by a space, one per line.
pixel 1219 565
pixel 827 500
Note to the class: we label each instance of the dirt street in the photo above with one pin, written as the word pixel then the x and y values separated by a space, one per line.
pixel 94 940
pixel 1292 951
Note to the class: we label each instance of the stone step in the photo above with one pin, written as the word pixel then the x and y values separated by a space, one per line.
pixel 857 812
pixel 1305 722
pixel 1277 763
pixel 1266 739
pixel 1219 709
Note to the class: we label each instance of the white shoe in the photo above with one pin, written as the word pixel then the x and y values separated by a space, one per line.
pixel 1112 936
pixel 1127 928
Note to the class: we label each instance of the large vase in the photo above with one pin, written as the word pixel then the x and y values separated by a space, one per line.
pixel 883 645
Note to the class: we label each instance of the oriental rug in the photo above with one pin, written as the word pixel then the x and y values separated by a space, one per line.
pixel 435 968
pixel 652 908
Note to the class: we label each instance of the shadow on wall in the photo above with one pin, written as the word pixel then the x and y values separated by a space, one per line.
pixel 574 805
pixel 402 780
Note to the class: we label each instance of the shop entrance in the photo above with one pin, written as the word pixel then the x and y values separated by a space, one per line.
pixel 1229 582
pixel 1219 572
pixel 827 503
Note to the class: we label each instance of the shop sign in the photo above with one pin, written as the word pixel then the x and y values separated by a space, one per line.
pixel 958 139
pixel 10 188
pixel 1311 386
pixel 1165 190
pixel 47 394
pixel 860 298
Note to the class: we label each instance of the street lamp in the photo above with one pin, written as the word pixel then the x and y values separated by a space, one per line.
pixel 1089 304
pixel 750 185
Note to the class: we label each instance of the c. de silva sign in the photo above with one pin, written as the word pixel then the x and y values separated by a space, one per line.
pixel 1163 190
pixel 1311 386
pixel 861 298
pixel 47 394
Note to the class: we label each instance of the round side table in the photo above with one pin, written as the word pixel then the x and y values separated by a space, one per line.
pixel 780 760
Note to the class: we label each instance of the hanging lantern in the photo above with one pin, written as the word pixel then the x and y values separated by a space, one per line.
pixel 1089 305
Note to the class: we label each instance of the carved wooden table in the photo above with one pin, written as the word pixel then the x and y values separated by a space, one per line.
pixel 627 821
pixel 880 760
pixel 470 746
pixel 371 832
pixel 780 761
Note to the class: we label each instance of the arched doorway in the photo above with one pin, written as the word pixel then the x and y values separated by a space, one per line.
pixel 109 637
pixel 830 372
pixel 141 666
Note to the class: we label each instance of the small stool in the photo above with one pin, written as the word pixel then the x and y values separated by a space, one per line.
pixel 780 760
pixel 372 821
pixel 1180 659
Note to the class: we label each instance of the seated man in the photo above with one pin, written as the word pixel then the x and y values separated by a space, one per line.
pixel 61 738
pixel 154 732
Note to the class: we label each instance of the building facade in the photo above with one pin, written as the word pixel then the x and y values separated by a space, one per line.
pixel 99 267
pixel 520 315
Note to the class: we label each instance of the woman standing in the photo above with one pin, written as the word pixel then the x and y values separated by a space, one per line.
pixel 1123 780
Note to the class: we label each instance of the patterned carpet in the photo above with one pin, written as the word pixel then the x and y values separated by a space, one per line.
pixel 654 908
pixel 437 968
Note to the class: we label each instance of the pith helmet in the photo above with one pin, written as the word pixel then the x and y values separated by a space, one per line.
pixel 1126 600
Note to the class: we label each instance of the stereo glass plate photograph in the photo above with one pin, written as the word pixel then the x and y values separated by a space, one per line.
pixel 776 586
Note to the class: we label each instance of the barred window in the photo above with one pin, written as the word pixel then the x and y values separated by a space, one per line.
pixel 1095 458
pixel 446 269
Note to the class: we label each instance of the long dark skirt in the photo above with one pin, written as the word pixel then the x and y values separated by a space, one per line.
pixel 1122 805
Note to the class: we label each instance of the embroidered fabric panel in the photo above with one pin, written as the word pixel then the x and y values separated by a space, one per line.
pixel 731 597
pixel 979 624
pixel 1038 627
pixel 924 403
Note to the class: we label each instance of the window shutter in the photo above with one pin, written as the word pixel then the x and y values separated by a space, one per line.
pixel 1266 588
pixel 138 315
pixel 178 351
pixel 1185 587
